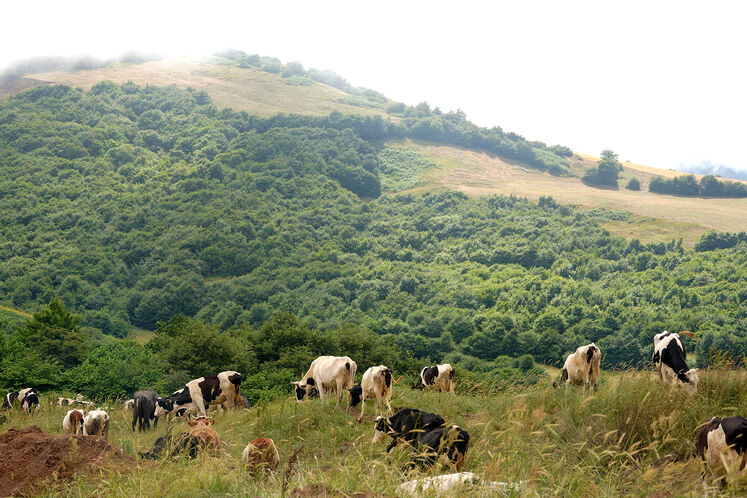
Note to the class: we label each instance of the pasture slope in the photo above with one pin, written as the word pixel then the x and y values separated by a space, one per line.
pixel 631 438
pixel 654 217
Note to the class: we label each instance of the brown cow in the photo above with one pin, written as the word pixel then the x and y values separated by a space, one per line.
pixel 261 452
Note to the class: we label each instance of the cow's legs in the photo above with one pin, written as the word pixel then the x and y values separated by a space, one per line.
pixel 363 406
pixel 200 406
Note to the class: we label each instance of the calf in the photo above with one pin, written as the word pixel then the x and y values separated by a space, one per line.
pixel 73 422
pixel 376 383
pixel 405 424
pixel 327 373
pixel 450 441
pixel 144 410
pixel 28 398
pixel 582 367
pixel 669 358
pixel 206 436
pixel 722 444
pixel 173 445
pixel 96 423
pixel 437 377
pixel 261 453
pixel 222 389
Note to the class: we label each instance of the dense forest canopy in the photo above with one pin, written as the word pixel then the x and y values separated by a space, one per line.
pixel 226 232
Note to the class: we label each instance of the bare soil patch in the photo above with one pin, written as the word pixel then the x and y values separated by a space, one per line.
pixel 30 456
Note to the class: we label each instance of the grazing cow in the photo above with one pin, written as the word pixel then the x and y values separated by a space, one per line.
pixel 96 423
pixel 144 410
pixel 582 367
pixel 73 422
pixel 327 373
pixel 405 424
pixel 222 389
pixel 669 357
pixel 71 402
pixel 449 484
pixel 207 437
pixel 722 444
pixel 28 398
pixel 129 404
pixel 438 377
pixel 376 383
pixel 261 453
pixel 169 445
pixel 450 441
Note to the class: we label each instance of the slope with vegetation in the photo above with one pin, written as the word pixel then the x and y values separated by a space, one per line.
pixel 135 205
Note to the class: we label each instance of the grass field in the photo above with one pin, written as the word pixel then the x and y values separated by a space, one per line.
pixel 655 217
pixel 251 90
pixel 632 438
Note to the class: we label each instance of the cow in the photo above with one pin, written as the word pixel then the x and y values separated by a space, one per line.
pixel 72 402
pixel 722 444
pixel 169 445
pixel 669 358
pixel 450 442
pixel 406 424
pixel 437 377
pixel 207 437
pixel 129 404
pixel 73 422
pixel 376 383
pixel 327 373
pixel 261 453
pixel 222 389
pixel 144 410
pixel 28 398
pixel 581 368
pixel 96 423
pixel 449 484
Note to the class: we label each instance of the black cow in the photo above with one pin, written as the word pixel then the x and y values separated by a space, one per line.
pixel 406 424
pixel 169 445
pixel 144 409
pixel 450 441
pixel 722 444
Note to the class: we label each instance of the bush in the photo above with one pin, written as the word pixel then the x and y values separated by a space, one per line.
pixel 633 184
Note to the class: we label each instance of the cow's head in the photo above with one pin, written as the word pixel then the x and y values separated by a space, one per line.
pixel 355 394
pixel 164 406
pixel 303 388
pixel 689 381
pixel 381 428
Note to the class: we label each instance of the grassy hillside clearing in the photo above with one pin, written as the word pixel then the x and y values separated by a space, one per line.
pixel 656 217
pixel 628 439
pixel 242 89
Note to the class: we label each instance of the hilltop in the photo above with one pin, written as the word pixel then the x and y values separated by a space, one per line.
pixel 264 87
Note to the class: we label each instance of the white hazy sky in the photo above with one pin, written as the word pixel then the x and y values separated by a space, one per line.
pixel 661 83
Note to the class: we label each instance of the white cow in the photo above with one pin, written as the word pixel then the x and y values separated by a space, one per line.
pixel 438 377
pixel 327 373
pixel 96 423
pixel 376 383
pixel 669 358
pixel 73 422
pixel 582 367
pixel 450 484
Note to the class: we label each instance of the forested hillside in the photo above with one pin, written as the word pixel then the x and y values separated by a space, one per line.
pixel 133 205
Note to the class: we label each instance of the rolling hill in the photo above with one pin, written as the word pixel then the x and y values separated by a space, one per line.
pixel 653 218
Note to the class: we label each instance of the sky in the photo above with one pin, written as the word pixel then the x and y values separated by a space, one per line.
pixel 660 83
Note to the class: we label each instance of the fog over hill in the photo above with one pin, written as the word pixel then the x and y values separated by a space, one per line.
pixel 708 168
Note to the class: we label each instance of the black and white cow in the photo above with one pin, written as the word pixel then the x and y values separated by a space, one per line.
pixel 28 398
pixel 582 367
pixel 327 374
pixel 406 424
pixel 144 409
pixel 438 377
pixel 376 383
pixel 669 358
pixel 222 389
pixel 96 423
pixel 722 444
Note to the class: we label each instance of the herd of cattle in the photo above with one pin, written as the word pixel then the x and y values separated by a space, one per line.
pixel 720 442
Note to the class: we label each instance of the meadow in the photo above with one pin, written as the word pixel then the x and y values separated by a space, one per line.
pixel 632 438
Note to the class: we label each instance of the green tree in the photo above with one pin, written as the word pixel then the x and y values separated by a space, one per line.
pixel 54 332
pixel 633 184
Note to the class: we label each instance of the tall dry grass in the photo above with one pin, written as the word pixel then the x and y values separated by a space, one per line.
pixel 634 437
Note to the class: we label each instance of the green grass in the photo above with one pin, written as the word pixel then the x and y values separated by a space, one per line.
pixel 141 335
pixel 631 438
